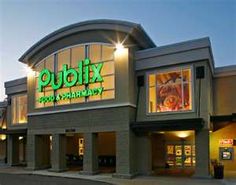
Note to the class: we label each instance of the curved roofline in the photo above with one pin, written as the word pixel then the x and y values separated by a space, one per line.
pixel 133 29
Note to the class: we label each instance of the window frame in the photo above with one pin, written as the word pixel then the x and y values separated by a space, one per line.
pixel 169 69
pixel 12 107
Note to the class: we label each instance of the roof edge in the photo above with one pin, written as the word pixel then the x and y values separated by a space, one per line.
pixel 225 71
pixel 132 26
pixel 15 82
pixel 174 48
pixel 189 45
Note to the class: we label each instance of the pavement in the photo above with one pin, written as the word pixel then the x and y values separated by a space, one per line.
pixel 107 178
pixel 24 179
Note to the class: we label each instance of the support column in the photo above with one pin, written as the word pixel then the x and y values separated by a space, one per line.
pixel 32 150
pixel 202 169
pixel 125 154
pixel 37 152
pixel 13 150
pixel 24 148
pixel 143 154
pixel 90 160
pixel 58 158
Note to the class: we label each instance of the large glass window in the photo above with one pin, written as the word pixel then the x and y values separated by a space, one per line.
pixel 181 155
pixel 3 116
pixel 170 90
pixel 19 109
pixel 97 53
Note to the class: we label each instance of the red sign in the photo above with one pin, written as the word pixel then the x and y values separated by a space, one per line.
pixel 226 141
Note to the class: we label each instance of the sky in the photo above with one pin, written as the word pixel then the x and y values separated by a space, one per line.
pixel 24 22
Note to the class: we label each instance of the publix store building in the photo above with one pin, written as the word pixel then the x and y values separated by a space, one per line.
pixel 100 96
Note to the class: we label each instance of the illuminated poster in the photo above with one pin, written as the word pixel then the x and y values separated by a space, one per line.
pixel 173 91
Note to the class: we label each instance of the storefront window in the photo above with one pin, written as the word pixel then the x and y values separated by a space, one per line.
pixel 181 155
pixel 170 91
pixel 97 53
pixel 3 118
pixel 19 109
pixel 81 146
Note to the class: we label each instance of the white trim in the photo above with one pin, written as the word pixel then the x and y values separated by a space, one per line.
pixel 84 108
pixel 180 68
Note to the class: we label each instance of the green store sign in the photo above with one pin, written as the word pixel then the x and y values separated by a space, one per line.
pixel 85 74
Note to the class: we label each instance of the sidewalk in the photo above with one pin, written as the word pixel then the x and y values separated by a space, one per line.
pixel 141 180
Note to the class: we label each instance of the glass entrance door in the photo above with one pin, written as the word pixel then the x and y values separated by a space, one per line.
pixel 180 155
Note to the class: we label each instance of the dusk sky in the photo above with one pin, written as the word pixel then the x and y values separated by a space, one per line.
pixel 24 22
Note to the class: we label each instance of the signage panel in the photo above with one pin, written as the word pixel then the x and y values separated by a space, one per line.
pixel 86 73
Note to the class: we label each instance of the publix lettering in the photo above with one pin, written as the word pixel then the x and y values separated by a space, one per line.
pixel 80 76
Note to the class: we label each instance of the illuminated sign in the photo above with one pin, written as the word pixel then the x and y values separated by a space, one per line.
pixel 85 74
pixel 226 141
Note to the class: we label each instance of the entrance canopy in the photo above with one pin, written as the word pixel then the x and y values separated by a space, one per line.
pixel 223 118
pixel 168 125
pixel 221 121
pixel 18 131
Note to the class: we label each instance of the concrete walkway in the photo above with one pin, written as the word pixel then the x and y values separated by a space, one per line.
pixel 141 180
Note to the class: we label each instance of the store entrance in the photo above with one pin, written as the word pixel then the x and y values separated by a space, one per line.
pixel 106 152
pixel 3 148
pixel 74 152
pixel 173 153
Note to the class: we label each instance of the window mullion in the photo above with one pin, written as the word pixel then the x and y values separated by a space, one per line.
pixel 17 114
pixel 156 89
pixel 182 89
pixel 55 71
pixel 86 56
pixel 70 67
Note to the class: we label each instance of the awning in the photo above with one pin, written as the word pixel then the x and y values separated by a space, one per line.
pixel 15 131
pixel 223 118
pixel 221 121
pixel 168 125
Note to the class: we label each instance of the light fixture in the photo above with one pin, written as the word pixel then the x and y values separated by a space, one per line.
pixel 3 137
pixel 119 48
pixel 28 70
pixel 183 134
pixel 20 137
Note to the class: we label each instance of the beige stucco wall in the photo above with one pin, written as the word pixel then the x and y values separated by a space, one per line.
pixel 224 89
pixel 228 132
